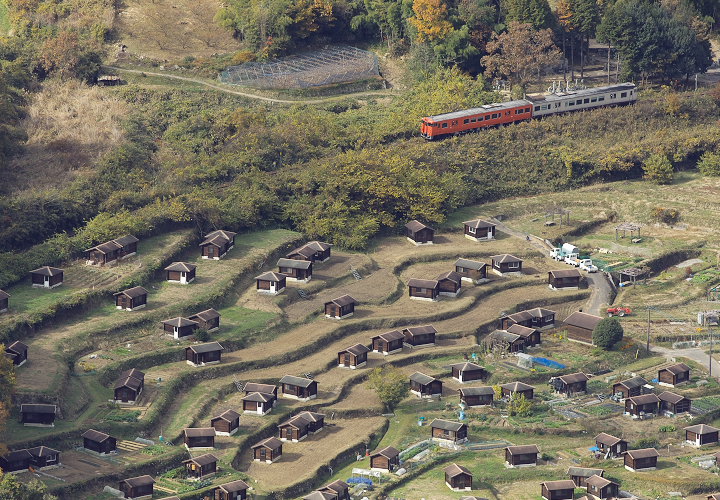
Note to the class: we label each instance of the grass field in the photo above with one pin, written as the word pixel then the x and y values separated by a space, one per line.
pixel 4 20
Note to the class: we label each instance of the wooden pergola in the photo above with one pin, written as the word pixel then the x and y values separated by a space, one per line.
pixel 625 227
pixel 632 273
pixel 555 210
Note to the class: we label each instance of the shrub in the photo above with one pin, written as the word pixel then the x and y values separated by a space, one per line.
pixel 668 428
pixel 668 216
pixel 202 335
pixel 658 169
pixel 607 333
pixel 709 164
pixel 645 443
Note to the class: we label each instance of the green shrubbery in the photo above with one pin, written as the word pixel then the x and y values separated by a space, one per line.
pixel 709 164
pixel 607 333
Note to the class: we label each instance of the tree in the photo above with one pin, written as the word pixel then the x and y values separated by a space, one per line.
pixel 658 169
pixel 12 489
pixel 430 20
pixel 7 386
pixel 534 12
pixel 607 333
pixel 390 384
pixel 709 164
pixel 519 405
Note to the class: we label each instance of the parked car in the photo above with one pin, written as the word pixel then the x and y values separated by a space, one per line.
pixel 587 265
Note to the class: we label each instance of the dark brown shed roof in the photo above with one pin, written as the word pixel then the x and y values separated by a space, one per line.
pixel 450 276
pixel 181 266
pixel 677 368
pixel 209 347
pixel 702 429
pixel 518 329
pixel 470 264
pixel 256 387
pixel 505 258
pixel 202 460
pixel 107 247
pixel 645 399
pixel 42 451
pixel 234 486
pixel 271 443
pixel 270 276
pixel 38 408
pixel 420 330
pixel 574 378
pixel 525 449
pixel 583 320
pixel 228 415
pixel 633 383
pixel 388 452
pixel 318 246
pixel 565 273
pixel 134 482
pixel 416 226
pixel 477 391
pixel 447 425
pixel 478 223
pixel 126 240
pixel 584 472
pixel 136 291
pixel 96 436
pixel 504 336
pixel 607 439
pixel 294 264
pixel 644 453
pixel 342 301
pixel 17 347
pixel 517 386
pixel 562 484
pixel 453 470
pixel 421 378
pixel 259 397
pixel 297 381
pixel 179 322
pixel 418 283
pixel 206 315
pixel 47 271
pixel 598 481
pixel 467 367
pixel 199 432
pixel 670 397
pixel 356 349
pixel 390 336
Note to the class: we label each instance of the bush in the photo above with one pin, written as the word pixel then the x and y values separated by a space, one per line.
pixel 202 335
pixel 658 169
pixel 709 164
pixel 607 333
pixel 668 216
pixel 668 428
pixel 645 443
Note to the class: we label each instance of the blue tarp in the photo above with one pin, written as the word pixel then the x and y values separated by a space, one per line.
pixel 359 480
pixel 549 363
pixel 594 448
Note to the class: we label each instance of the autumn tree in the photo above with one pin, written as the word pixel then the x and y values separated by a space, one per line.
pixel 390 384
pixel 431 20
pixel 658 169
pixel 66 56
pixel 13 489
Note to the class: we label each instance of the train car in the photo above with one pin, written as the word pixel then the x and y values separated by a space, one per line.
pixel 488 115
pixel 579 100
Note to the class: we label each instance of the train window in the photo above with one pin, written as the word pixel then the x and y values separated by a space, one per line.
pixel 586 100
pixel 454 122
pixel 466 121
pixel 579 102
pixel 527 110
pixel 594 99
pixel 537 108
pixel 624 94
pixel 601 98
pixel 612 96
pixel 444 125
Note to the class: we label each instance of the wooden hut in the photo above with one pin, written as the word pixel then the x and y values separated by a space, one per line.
pixel 701 435
pixel 180 272
pixel 639 406
pixel 300 388
pixel 468 372
pixel 301 425
pixel 268 450
pixel 385 459
pixel 131 299
pixel 571 384
pixel 388 342
pixel 217 244
pixel 564 489
pixel 313 251
pixel 226 424
pixel 128 386
pixel 502 340
pixel 353 357
pixel 341 307
pixel 208 320
pixel 602 488
pixel 564 279
pixel 517 388
pixel 449 284
pixel 580 326
pixel 179 327
pixel 425 386
pixel 458 478
pixel 673 404
pixel 38 415
pixel 337 490
pixel 201 467
pixel 629 388
pixel 610 446
pixel 677 374
pixel 521 456
pixel 478 230
pixel 531 336
pixel 258 402
pixel 644 459
pixel 506 264
pixel 447 430
pixel 423 289
pixel 204 354
pixel 477 396
pixel 17 352
pixel 471 270
pixel 418 233
pixel 99 442
pixel 199 438
pixel 4 301
pixel 44 457
pixel 296 270
pixel 16 461
pixel 270 283
pixel 235 490
pixel 112 251
pixel 137 488
pixel 579 475
pixel 47 277
pixel 419 336
pixel 538 318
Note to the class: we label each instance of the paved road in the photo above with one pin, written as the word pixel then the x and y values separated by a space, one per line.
pixel 602 294
pixel 696 354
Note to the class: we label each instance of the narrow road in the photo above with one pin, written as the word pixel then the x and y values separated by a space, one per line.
pixel 696 354
pixel 602 293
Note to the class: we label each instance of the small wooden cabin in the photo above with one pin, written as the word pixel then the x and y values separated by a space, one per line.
pixel 38 415
pixel 235 490
pixel 564 489
pixel 506 264
pixel 677 374
pixel 314 251
pixel 458 478
pixel 579 475
pixel 4 301
pixel 137 488
pixel 296 270
pixel 531 336
pixel 226 424
pixel 602 488
pixel 268 450
pixel 701 435
pixel 505 341
pixel 270 283
pixel 300 388
pixel 571 384
pixel 258 402
pixel 629 388
pixel 385 459
pixel 478 229
pixel 468 372
pixel 128 386
pixel 388 342
pixel 353 357
pixel 180 272
pixel 180 327
pixel 208 320
pixel 217 244
pixel 99 442
pixel 610 445
pixel 517 387
pixel 644 459
pixel 580 326
pixel 112 251
pixel 341 307
pixel 646 404
pixel 419 336
pixel 301 425
pixel 564 279
pixel 17 352
pixel 522 456
pixel 418 233
pixel 203 354
pixel 337 490
pixel 477 396
pixel 447 430
pixel 423 289
pixel 425 386
pixel 131 299
pixel 44 457
pixel 47 277
pixel 449 284
pixel 16 461
pixel 201 467
pixel 199 438
pixel 471 270
pixel 673 404
pixel 538 318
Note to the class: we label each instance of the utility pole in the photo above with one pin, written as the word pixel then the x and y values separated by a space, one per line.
pixel 711 351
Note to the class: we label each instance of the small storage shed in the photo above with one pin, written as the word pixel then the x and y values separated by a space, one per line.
pixel 449 284
pixel 418 233
pixel 610 446
pixel 522 456
pixel 112 251
pixel 353 357
pixel 506 264
pixel 16 461
pixel 458 478
pixel 425 386
pixel 505 341
pixel 128 386
pixel 701 435
pixel 673 404
pixel 180 272
pixel 478 229
pixel 341 307
pixel 571 384
pixel 137 488
pixel 580 326
pixel 201 467
pixel 531 336
pixel 217 244
pixel 337 489
pixel 447 430
pixel 423 289
pixel 644 459
pixel 38 415
pixel 629 388
pixel 385 459
pixel 471 270
pixel 47 277
pixel 270 283
pixel 258 402
pixel 477 396
pixel 131 299
pixel 268 450
pixel 314 251
pixel 208 320
pixel 300 388
pixel 44 457
pixel 646 404
pixel 538 318
pixel 236 490
pixel 4 301
pixel 579 475
pixel 563 489
pixel 388 342
pixel 564 279
pixel 468 372
pixel 226 424
pixel 420 336
pixel 714 496
pixel 517 387
pixel 301 425
pixel 99 442
pixel 199 438
pixel 677 374
pixel 602 488
pixel 204 354
pixel 17 352
pixel 296 270
pixel 180 327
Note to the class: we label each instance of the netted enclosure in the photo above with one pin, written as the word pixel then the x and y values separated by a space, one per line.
pixel 328 65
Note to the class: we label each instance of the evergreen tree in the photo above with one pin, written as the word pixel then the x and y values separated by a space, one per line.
pixel 607 333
